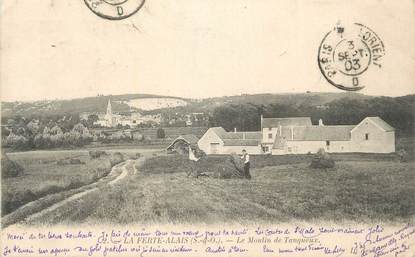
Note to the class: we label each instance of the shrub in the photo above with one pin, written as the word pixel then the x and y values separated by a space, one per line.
pixel 403 155
pixel 17 142
pixel 69 161
pixel 322 160
pixel 94 154
pixel 116 158
pixel 9 168
pixel 161 133
pixel 11 202
pixel 75 161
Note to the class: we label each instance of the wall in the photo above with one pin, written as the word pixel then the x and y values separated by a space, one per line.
pixel 238 149
pixel 379 140
pixel 304 147
pixel 265 132
pixel 210 137
pixel 205 141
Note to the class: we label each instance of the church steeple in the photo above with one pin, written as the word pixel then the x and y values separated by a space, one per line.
pixel 109 108
pixel 109 117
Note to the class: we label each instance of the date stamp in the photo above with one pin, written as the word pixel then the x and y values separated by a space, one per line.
pixel 114 9
pixel 347 56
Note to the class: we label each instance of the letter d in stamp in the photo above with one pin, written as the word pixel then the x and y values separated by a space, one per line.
pixel 347 55
pixel 114 9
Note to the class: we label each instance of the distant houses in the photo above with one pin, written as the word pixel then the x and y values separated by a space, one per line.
pixel 111 119
pixel 297 135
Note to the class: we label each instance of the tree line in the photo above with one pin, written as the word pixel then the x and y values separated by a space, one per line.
pixel 66 131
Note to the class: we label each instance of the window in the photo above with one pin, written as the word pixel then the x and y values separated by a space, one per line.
pixel 214 147
pixel 289 149
pixel 327 143
pixel 265 149
pixel 269 129
pixel 367 136
pixel 270 135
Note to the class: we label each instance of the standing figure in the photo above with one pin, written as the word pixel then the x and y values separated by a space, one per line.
pixel 245 158
pixel 193 164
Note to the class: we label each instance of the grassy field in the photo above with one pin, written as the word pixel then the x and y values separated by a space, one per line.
pixel 361 188
pixel 44 176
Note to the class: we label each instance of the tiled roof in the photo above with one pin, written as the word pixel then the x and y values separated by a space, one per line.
pixel 322 133
pixel 238 138
pixel 313 133
pixel 242 135
pixel 293 121
pixel 241 142
pixel 190 139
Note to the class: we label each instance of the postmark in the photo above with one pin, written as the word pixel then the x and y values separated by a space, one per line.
pixel 349 56
pixel 114 9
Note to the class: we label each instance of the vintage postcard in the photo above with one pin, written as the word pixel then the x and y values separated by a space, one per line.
pixel 207 128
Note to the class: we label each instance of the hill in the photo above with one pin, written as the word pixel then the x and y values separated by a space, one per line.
pixel 127 102
pixel 120 103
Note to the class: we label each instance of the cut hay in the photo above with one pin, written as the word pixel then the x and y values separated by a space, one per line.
pixel 322 160
pixel 229 168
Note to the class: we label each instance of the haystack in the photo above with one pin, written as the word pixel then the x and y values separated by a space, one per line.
pixel 116 158
pixel 231 168
pixel 322 160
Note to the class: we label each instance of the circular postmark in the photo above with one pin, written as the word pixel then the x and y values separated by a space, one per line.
pixel 114 9
pixel 348 55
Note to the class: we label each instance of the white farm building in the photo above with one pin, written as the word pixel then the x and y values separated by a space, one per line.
pixel 298 136
pixel 217 141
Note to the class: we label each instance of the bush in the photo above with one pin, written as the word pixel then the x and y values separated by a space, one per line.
pixel 161 133
pixel 403 155
pixel 75 161
pixel 322 160
pixel 94 154
pixel 9 168
pixel 69 161
pixel 116 158
pixel 11 202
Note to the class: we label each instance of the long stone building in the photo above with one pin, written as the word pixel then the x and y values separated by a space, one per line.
pixel 297 135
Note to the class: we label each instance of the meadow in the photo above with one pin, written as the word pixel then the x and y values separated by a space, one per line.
pixel 50 172
pixel 360 188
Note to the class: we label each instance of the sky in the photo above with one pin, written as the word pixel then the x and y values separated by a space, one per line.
pixel 59 49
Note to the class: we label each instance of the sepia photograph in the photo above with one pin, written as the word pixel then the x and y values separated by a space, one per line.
pixel 207 128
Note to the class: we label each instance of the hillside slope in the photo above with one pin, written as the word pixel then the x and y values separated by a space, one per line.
pixel 119 103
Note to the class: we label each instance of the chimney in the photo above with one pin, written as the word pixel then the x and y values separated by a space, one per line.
pixel 280 130
pixel 320 122
pixel 243 135
pixel 292 133
pixel 234 130
pixel 262 118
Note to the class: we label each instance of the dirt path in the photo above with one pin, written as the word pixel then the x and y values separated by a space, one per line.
pixel 29 212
